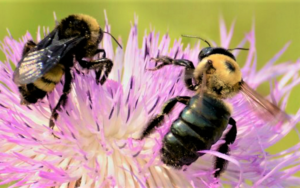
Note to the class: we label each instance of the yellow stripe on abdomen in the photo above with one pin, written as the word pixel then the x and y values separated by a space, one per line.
pixel 55 73
pixel 45 86
pixel 50 79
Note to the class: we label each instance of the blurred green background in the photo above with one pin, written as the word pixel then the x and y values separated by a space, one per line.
pixel 276 23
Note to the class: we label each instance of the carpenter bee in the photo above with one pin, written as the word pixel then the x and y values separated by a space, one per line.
pixel 43 64
pixel 206 115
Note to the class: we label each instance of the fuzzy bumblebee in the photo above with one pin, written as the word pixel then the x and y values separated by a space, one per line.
pixel 43 65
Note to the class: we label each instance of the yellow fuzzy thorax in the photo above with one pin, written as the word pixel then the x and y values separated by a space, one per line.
pixel 225 75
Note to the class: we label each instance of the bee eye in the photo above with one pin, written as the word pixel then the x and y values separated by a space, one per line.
pixel 230 66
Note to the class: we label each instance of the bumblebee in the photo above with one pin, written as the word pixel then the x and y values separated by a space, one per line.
pixel 206 115
pixel 43 65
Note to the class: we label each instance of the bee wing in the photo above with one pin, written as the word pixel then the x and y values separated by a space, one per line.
pixel 264 108
pixel 38 62
pixel 45 42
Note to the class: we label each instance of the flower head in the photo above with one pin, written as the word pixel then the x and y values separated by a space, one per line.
pixel 98 126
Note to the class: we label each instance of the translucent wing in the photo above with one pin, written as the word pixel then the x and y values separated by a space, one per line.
pixel 264 108
pixel 39 61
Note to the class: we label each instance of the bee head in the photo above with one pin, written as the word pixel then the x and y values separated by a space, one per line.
pixel 211 50
pixel 223 75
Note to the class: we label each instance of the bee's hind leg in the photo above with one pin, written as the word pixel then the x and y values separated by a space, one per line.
pixel 230 137
pixel 63 98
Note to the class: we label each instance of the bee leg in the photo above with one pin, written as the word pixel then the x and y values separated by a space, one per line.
pixel 158 119
pixel 98 66
pixel 230 137
pixel 28 46
pixel 63 98
pixel 101 50
pixel 98 72
pixel 108 64
pixel 189 68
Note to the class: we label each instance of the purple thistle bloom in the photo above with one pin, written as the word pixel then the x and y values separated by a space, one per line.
pixel 98 126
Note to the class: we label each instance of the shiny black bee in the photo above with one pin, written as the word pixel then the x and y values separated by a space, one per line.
pixel 43 64
pixel 206 115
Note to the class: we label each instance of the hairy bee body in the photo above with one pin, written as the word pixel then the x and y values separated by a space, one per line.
pixel 197 128
pixel 206 115
pixel 74 26
pixel 43 65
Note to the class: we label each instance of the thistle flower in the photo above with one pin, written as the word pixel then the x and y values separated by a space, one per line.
pixel 98 126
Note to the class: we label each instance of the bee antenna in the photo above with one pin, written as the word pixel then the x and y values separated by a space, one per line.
pixel 238 49
pixel 189 36
pixel 113 38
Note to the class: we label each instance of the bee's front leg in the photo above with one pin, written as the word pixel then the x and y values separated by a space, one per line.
pixel 98 65
pixel 189 68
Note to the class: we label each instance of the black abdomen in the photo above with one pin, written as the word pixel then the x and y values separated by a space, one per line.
pixel 199 126
pixel 31 94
